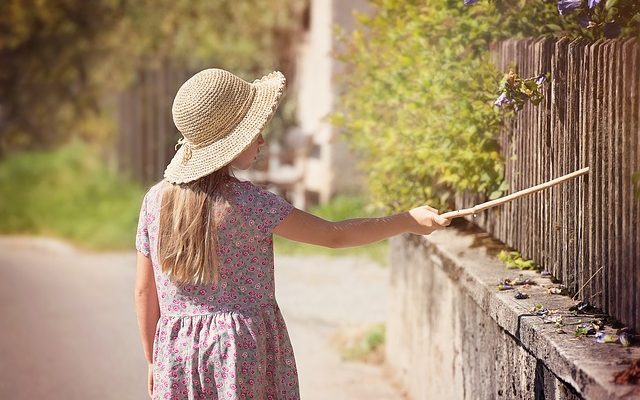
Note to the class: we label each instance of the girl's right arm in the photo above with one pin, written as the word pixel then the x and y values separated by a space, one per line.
pixel 147 311
pixel 304 227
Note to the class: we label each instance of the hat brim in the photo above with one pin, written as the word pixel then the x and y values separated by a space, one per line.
pixel 269 91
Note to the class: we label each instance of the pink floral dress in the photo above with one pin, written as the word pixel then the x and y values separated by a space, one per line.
pixel 224 341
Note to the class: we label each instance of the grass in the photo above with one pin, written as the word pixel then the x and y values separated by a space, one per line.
pixel 363 344
pixel 71 194
pixel 341 207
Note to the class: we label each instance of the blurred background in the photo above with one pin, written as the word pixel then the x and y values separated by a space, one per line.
pixel 85 104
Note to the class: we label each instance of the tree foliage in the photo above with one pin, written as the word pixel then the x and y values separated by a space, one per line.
pixel 51 54
pixel 62 58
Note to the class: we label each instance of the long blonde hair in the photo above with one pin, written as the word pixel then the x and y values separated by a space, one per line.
pixel 187 237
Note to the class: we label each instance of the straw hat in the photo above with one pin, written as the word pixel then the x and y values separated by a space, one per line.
pixel 219 115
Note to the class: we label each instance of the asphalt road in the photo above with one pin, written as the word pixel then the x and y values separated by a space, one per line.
pixel 69 329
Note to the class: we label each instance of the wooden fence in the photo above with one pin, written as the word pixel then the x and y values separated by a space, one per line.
pixel 147 135
pixel 585 232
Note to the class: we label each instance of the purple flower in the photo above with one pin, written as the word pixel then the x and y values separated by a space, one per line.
pixel 593 3
pixel 502 101
pixel 566 6
pixel 540 79
pixel 469 2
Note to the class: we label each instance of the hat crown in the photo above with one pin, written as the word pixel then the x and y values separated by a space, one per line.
pixel 210 105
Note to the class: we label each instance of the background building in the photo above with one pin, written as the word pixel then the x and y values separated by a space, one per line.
pixel 314 163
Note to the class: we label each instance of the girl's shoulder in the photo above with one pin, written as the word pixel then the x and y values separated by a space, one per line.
pixel 157 188
pixel 154 191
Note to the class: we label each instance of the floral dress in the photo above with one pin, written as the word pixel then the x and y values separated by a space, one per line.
pixel 229 340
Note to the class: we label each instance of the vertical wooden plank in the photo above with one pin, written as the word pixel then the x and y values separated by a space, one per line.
pixel 563 152
pixel 600 199
pixel 532 153
pixel 150 125
pixel 546 143
pixel 149 103
pixel 600 136
pixel 554 124
pixel 154 107
pixel 559 95
pixel 610 289
pixel 573 204
pixel 545 162
pixel 508 148
pixel 505 149
pixel 584 193
pixel 516 138
pixel 542 219
pixel 145 89
pixel 587 135
pixel 615 282
pixel 158 134
pixel 512 135
pixel 574 207
pixel 121 146
pixel 564 199
pixel 140 129
pixel 536 158
pixel 625 174
pixel 593 183
pixel 563 157
pixel 605 202
pixel 603 275
pixel 525 153
pixel 635 145
pixel 526 58
pixel 137 129
pixel 161 128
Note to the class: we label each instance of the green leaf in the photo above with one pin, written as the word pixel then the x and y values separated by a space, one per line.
pixel 554 27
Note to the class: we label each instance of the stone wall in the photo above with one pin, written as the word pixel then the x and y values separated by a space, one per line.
pixel 452 335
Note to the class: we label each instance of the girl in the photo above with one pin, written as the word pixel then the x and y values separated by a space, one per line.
pixel 205 297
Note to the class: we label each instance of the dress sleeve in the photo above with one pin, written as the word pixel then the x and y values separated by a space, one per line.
pixel 270 209
pixel 142 233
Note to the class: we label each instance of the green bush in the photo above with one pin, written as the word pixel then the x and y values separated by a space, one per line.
pixel 418 94
pixel 71 194
pixel 68 193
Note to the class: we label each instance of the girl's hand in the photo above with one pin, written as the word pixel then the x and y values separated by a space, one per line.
pixel 150 381
pixel 426 220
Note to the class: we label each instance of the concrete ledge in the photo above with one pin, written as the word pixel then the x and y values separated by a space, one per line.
pixel 451 334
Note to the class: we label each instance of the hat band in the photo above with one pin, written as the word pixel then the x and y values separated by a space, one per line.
pixel 242 112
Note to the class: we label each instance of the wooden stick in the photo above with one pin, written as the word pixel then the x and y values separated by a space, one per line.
pixel 513 196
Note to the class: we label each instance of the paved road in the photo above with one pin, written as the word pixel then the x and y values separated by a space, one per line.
pixel 69 329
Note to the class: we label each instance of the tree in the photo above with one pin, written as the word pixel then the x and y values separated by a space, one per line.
pixel 61 58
